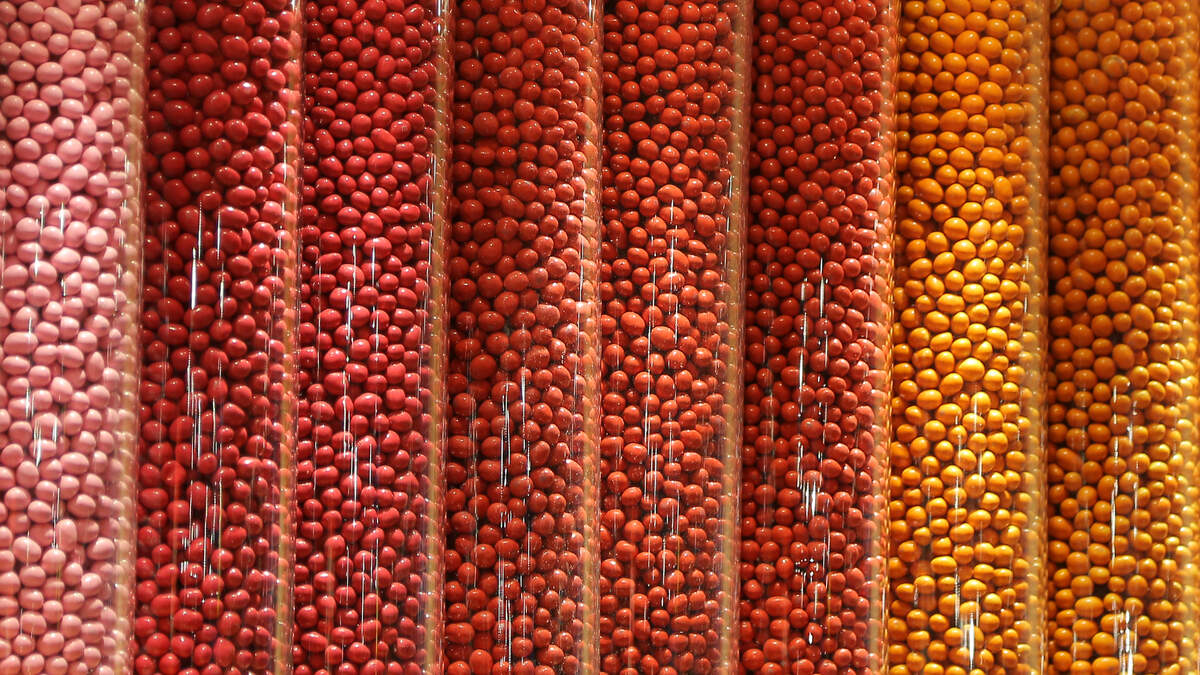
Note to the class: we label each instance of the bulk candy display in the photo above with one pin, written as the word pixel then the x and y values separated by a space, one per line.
pixel 524 241
pixel 817 339
pixel 564 337
pixel 1123 267
pixel 215 475
pixel 674 179
pixel 967 499
pixel 71 96
pixel 372 280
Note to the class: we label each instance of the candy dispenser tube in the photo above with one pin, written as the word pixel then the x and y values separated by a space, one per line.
pixel 675 84
pixel 372 237
pixel 216 460
pixel 966 566
pixel 71 105
pixel 817 374
pixel 1123 268
pixel 523 263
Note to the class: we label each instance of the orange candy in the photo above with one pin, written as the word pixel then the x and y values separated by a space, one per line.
pixel 1123 265
pixel 965 488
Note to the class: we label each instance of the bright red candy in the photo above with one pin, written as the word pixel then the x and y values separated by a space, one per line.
pixel 363 489
pixel 817 324
pixel 523 353
pixel 218 389
pixel 669 461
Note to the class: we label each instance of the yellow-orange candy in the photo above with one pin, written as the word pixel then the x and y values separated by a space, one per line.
pixel 1122 383
pixel 966 483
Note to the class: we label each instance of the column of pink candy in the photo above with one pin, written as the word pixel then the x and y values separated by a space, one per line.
pixel 70 235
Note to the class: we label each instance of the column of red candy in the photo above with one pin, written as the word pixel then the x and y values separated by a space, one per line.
pixel 817 335
pixel 219 323
pixel 71 91
pixel 520 460
pixel 371 270
pixel 672 291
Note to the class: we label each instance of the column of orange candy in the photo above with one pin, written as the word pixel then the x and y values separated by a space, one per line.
pixel 967 465
pixel 1123 264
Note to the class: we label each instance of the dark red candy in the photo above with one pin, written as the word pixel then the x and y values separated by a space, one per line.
pixel 218 381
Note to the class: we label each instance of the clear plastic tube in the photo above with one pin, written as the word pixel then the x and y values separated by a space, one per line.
pixel 71 100
pixel 818 349
pixel 675 85
pixel 967 492
pixel 216 462
pixel 1123 266
pixel 372 355
pixel 523 250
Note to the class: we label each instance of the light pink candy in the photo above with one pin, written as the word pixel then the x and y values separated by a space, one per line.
pixel 74 648
pixel 26 550
pixel 51 643
pixel 36 576
pixel 53 611
pixel 41 31
pixel 22 644
pixel 30 599
pixel 29 12
pixel 63 98
pixel 58 44
pixel 59 20
pixel 27 474
pixel 34 663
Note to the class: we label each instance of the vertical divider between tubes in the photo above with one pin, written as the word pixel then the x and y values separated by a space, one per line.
pixel 1187 351
pixel 593 369
pixel 285 332
pixel 130 368
pixel 439 336
pixel 735 266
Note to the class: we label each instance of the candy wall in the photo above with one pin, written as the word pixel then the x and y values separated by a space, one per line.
pixel 557 337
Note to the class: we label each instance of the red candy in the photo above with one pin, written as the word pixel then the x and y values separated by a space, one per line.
pixel 362 511
pixel 817 324
pixel 669 461
pixel 523 356
pixel 217 426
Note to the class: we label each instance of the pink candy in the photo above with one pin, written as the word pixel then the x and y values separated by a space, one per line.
pixel 66 354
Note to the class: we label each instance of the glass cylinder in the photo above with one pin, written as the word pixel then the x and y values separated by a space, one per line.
pixel 967 479
pixel 818 322
pixel 675 84
pixel 372 270
pixel 1123 266
pixel 523 249
pixel 216 461
pixel 71 105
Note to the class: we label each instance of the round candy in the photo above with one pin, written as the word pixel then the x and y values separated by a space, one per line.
pixel 520 462
pixel 818 301
pixel 967 499
pixel 219 329
pixel 1123 272
pixel 363 490
pixel 667 522
pixel 70 223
